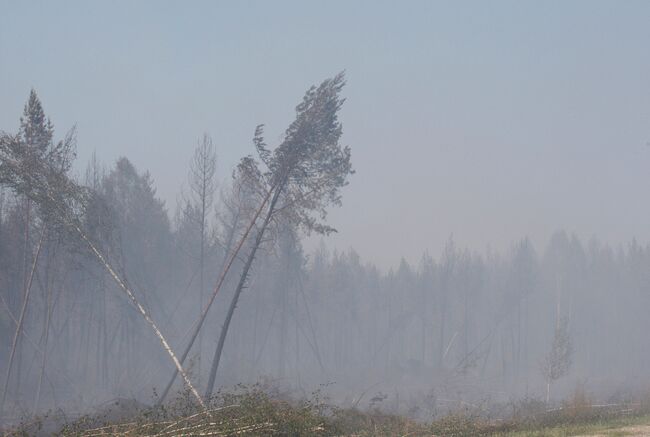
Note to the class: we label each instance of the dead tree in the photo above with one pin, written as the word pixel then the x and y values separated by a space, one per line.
pixel 202 185
pixel 44 179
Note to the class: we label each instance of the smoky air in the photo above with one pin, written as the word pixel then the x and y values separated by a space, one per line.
pixel 336 219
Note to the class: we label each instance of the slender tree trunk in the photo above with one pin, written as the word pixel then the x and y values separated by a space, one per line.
pixel 558 302
pixel 258 357
pixel 118 280
pixel 106 348
pixel 19 351
pixel 465 320
pixel 314 346
pixel 21 319
pixel 31 341
pixel 201 276
pixel 423 328
pixel 256 322
pixel 226 325
pixel 503 360
pixel 297 328
pixel 443 322
pixel 518 363
pixel 284 289
pixel 513 352
pixel 526 370
pixel 235 298
pixel 487 355
pixel 48 317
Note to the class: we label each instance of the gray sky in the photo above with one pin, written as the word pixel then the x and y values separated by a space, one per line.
pixel 488 120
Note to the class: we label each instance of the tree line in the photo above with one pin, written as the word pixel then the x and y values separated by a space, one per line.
pixel 96 274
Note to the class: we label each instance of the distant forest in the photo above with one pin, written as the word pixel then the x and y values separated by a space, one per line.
pixel 532 321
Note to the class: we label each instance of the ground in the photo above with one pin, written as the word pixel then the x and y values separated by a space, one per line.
pixel 632 427
pixel 629 431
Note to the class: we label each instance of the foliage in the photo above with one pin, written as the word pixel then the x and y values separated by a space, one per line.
pixel 42 176
pixel 309 167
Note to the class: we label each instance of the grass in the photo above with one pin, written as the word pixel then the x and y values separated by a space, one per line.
pixel 254 411
pixel 614 427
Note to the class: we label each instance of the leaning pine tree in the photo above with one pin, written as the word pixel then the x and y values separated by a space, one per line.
pixel 296 182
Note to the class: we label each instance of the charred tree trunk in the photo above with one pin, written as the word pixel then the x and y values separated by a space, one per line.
pixel 238 290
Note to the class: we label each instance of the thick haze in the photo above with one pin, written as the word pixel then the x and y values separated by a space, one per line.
pixel 489 121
